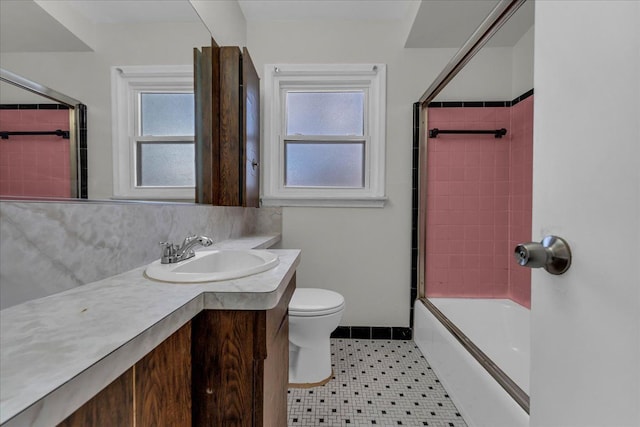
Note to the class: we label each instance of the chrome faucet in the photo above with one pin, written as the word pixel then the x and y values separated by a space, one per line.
pixel 173 253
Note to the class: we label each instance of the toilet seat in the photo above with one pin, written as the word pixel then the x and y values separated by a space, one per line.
pixel 307 302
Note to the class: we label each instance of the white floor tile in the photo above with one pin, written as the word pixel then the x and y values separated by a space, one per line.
pixel 375 382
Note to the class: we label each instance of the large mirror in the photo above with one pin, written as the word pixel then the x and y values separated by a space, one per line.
pixel 73 47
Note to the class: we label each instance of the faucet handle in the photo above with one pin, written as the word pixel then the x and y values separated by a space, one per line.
pixel 167 249
pixel 188 239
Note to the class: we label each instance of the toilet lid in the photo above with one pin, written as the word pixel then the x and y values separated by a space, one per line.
pixel 315 302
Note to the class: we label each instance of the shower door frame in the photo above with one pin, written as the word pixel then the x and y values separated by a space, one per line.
pixel 491 24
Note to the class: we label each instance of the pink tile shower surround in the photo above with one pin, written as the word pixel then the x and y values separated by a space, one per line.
pixel 35 165
pixel 479 192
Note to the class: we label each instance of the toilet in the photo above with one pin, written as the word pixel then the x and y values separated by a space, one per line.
pixel 313 315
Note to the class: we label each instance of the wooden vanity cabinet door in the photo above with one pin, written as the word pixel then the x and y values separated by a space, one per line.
pixel 113 406
pixel 276 364
pixel 241 366
pixel 163 383
pixel 156 391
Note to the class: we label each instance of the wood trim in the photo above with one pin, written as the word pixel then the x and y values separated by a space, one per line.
pixel 113 406
pixel 215 123
pixel 230 126
pixel 203 93
pixel 163 383
pixel 207 98
pixel 250 167
pixel 276 316
pixel 223 368
pixel 275 372
pixel 311 385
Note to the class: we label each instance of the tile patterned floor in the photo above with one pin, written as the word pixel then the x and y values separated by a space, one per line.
pixel 376 382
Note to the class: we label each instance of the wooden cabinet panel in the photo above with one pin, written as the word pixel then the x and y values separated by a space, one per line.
pixel 276 378
pixel 241 366
pixel 156 391
pixel 230 127
pixel 206 65
pixel 163 383
pixel 224 368
pixel 113 406
pixel 223 354
pixel 276 364
pixel 251 129
pixel 227 127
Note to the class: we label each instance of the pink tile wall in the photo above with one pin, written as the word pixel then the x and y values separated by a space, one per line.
pixel 34 166
pixel 470 220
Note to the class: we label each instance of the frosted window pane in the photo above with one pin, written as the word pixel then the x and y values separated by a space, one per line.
pixel 169 164
pixel 325 113
pixel 167 114
pixel 324 164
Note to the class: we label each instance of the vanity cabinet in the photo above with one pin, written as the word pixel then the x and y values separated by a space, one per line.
pixel 241 366
pixel 156 391
pixel 223 368
pixel 227 94
pixel 113 406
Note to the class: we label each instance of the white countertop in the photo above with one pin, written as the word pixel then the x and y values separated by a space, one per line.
pixel 57 352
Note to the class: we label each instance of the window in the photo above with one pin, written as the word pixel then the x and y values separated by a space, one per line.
pixel 325 135
pixel 153 132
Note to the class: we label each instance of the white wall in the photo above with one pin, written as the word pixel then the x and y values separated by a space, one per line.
pixel 522 64
pixel 72 20
pixel 487 77
pixel 363 253
pixel 494 74
pixel 585 361
pixel 224 19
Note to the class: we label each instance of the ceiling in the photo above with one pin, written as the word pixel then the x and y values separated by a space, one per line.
pixel 134 11
pixel 341 10
pixel 433 23
pixel 449 23
pixel 39 33
pixel 27 26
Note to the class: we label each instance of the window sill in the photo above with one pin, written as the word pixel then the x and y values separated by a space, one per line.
pixel 326 202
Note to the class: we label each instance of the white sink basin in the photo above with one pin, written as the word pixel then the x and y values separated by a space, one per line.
pixel 214 265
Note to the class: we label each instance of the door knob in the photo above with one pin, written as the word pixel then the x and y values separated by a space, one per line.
pixel 553 254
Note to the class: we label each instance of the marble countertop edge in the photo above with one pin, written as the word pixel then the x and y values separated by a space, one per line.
pixel 57 405
pixel 82 313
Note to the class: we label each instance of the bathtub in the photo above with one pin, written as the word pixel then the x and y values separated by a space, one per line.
pixel 499 328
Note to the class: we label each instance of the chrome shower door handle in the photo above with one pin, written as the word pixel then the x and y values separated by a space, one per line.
pixel 553 254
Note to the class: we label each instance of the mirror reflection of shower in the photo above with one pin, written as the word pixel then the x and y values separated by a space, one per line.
pixel 479 196
pixel 42 137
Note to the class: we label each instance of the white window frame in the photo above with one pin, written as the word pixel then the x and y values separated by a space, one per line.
pixel 127 82
pixel 278 79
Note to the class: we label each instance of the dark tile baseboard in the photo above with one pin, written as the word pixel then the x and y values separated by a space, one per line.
pixel 485 104
pixel 373 332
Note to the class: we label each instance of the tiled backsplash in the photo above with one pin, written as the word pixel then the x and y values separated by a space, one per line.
pixel 48 247
pixel 479 200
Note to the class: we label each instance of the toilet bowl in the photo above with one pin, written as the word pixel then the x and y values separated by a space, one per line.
pixel 313 315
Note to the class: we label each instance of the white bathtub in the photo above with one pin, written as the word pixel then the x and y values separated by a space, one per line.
pixel 500 328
